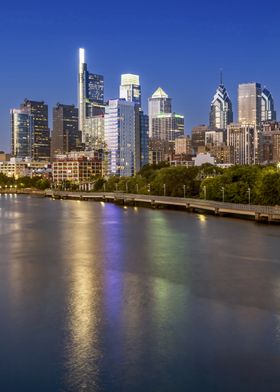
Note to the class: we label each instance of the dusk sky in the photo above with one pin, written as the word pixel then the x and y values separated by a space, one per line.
pixel 178 45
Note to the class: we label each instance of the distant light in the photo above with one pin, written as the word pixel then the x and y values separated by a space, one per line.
pixel 81 55
pixel 202 218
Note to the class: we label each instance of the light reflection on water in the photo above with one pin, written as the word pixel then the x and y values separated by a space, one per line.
pixel 94 297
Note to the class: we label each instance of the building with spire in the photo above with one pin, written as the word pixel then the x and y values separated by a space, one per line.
pixel 90 95
pixel 268 111
pixel 221 114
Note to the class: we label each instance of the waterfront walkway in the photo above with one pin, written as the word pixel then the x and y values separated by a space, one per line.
pixel 258 213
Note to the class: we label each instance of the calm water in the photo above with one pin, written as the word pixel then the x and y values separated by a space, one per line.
pixel 95 297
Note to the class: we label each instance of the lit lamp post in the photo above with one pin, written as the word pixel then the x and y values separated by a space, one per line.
pixel 184 187
pixel 223 193
pixel 149 187
pixel 205 192
pixel 164 189
pixel 249 195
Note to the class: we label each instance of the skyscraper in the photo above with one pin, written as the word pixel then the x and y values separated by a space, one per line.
pixel 65 134
pixel 243 139
pixel 168 126
pixel 130 88
pixel 90 94
pixel 21 133
pixel 268 112
pixel 159 103
pixel 122 137
pixel 41 147
pixel 249 103
pixel 221 114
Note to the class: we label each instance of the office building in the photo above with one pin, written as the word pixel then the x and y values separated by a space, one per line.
pixel 130 88
pixel 159 103
pixel 250 103
pixel 65 134
pixel 214 138
pixel 198 136
pixel 122 137
pixel 90 94
pixel 21 133
pixel 183 145
pixel 243 139
pixel 221 114
pixel 144 138
pixel 167 126
pixel 268 111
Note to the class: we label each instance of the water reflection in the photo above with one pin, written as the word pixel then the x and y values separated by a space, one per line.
pixel 82 328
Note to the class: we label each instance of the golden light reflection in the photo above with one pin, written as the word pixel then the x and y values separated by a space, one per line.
pixel 202 218
pixel 82 349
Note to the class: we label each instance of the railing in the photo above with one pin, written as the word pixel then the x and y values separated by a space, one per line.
pixel 196 203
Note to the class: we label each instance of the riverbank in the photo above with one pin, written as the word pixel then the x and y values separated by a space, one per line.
pixel 262 214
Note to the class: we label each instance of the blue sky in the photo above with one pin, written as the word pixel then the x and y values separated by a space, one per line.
pixel 178 45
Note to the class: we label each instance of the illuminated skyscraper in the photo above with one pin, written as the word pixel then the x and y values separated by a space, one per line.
pixel 41 143
pixel 130 88
pixel 90 94
pixel 249 103
pixel 268 112
pixel 122 137
pixel 221 114
pixel 21 135
pixel 159 103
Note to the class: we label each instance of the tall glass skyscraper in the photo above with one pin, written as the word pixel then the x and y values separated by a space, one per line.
pixel 122 137
pixel 130 88
pixel 41 142
pixel 22 131
pixel 90 94
pixel 159 103
pixel 249 103
pixel 65 134
pixel 268 111
pixel 221 114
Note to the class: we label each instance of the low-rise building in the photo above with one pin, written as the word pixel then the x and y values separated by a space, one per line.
pixel 76 170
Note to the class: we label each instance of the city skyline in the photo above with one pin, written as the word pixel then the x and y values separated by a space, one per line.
pixel 192 82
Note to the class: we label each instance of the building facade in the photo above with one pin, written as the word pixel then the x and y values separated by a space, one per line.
pixel 76 170
pixel 130 88
pixel 221 114
pixel 21 133
pixel 90 94
pixel 242 138
pixel 250 103
pixel 65 134
pixel 122 138
pixel 268 111
pixel 159 103
pixel 41 142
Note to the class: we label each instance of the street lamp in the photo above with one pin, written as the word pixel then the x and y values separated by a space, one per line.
pixel 164 189
pixel 137 188
pixel 249 195
pixel 104 186
pixel 126 187
pixel 116 187
pixel 184 187
pixel 205 192
pixel 149 187
pixel 223 193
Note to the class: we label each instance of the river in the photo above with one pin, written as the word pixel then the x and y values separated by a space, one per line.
pixel 98 297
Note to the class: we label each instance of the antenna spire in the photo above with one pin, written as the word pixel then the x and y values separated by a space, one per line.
pixel 221 76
